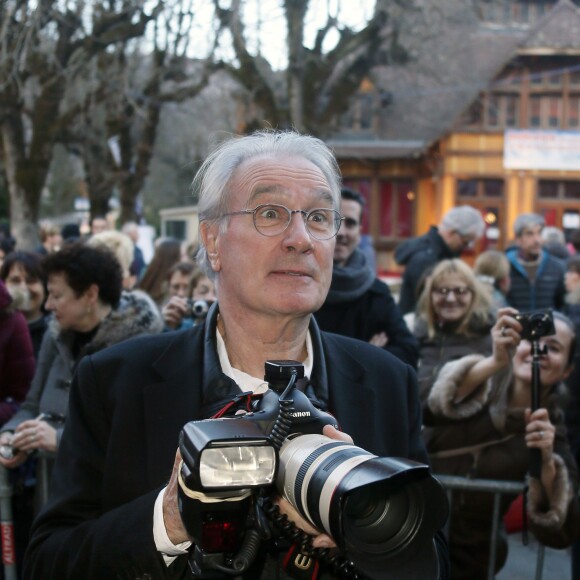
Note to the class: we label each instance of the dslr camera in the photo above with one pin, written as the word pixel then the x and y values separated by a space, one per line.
pixel 536 324
pixel 382 512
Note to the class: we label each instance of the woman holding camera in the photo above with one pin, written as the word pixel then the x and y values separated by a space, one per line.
pixel 479 424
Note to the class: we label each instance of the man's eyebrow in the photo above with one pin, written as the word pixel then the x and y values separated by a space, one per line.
pixel 276 189
pixel 261 189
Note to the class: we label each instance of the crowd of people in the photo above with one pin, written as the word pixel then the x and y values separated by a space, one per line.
pixel 104 358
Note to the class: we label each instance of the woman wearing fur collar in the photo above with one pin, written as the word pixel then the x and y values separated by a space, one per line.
pixel 479 424
pixel 90 312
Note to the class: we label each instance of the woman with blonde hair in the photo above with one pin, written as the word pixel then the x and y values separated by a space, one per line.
pixel 454 317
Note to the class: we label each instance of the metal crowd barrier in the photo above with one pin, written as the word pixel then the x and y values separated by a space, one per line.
pixel 497 487
pixel 7 526
pixel 451 483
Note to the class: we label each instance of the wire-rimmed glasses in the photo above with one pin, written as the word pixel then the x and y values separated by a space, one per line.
pixel 270 219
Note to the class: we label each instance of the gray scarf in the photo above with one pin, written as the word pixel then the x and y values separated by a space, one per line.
pixel 351 281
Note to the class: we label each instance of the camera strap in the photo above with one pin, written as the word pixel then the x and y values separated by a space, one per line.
pixel 229 407
pixel 300 566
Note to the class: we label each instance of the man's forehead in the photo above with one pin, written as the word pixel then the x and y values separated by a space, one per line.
pixel 274 178
pixel 531 229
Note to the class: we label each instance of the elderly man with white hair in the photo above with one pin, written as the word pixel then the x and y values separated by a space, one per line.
pixel 268 207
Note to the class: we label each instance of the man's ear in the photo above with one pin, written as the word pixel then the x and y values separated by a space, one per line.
pixel 209 234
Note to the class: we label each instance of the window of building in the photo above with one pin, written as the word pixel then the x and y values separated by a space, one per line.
pixel 472 188
pixel 502 110
pixel 397 206
pixel 554 115
pixel 573 117
pixel 546 111
pixel 558 190
pixel 176 229
pixel 361 115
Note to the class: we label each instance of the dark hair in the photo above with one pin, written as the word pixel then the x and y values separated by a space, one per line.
pixel 30 261
pixel 348 193
pixel 154 281
pixel 84 265
pixel 70 232
pixel 570 324
pixel 7 244
pixel 352 195
pixel 185 268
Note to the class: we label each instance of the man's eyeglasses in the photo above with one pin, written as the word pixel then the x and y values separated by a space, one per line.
pixel 459 291
pixel 271 219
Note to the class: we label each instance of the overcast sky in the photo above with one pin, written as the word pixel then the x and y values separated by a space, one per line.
pixel 268 15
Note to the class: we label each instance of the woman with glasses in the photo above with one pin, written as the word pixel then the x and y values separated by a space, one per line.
pixel 454 317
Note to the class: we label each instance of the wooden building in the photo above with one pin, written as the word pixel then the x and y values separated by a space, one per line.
pixel 488 116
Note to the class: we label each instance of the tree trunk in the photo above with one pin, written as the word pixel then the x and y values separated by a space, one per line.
pixel 24 204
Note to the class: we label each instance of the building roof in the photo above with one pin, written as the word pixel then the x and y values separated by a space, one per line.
pixel 376 148
pixel 429 94
pixel 558 32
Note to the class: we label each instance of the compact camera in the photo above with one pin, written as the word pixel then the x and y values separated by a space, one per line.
pixel 7 451
pixel 536 324
pixel 197 309
pixel 382 512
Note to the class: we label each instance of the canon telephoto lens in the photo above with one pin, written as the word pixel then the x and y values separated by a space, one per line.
pixel 380 511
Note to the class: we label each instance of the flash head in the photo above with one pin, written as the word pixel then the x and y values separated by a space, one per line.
pixel 221 454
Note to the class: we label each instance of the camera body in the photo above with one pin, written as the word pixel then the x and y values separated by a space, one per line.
pixel 7 451
pixel 536 324
pixel 197 309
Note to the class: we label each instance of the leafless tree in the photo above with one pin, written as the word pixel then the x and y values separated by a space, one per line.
pixel 69 75
pixel 319 82
pixel 44 45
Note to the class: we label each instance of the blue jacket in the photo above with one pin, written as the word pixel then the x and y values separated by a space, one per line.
pixel 547 290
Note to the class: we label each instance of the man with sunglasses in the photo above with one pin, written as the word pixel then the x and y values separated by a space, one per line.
pixel 268 206
pixel 459 230
pixel 359 304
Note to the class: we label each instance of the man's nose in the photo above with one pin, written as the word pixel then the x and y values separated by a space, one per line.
pixel 296 234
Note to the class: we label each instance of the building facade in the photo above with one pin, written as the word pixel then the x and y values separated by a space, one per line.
pixel 497 128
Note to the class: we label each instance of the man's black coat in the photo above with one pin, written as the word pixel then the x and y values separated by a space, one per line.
pixel 373 312
pixel 127 407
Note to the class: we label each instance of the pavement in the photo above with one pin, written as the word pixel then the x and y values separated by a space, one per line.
pixel 521 562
